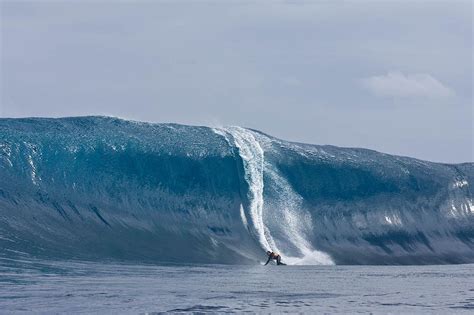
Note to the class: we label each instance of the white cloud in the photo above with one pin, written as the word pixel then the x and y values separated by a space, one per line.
pixel 397 84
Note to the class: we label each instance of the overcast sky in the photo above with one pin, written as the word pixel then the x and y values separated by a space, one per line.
pixel 394 76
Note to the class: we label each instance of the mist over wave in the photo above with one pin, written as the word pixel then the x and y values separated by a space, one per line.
pixel 104 188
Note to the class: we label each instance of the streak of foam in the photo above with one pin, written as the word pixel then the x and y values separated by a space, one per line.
pixel 470 204
pixel 252 156
pixel 297 223
pixel 34 177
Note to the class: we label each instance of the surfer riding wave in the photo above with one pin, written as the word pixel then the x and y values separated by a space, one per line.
pixel 274 256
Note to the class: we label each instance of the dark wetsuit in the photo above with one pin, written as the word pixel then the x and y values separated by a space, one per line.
pixel 276 257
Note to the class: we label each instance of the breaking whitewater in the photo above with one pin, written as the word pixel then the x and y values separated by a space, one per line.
pixel 100 188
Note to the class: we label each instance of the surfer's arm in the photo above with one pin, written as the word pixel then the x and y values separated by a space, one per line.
pixel 269 258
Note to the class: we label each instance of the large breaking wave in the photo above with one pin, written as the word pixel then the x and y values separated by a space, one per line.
pixel 105 188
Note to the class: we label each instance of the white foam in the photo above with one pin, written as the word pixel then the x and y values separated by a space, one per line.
pixel 470 204
pixel 34 178
pixel 311 258
pixel 297 222
pixel 252 156
pixel 460 183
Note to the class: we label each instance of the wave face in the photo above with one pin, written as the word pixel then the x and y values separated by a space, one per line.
pixel 103 188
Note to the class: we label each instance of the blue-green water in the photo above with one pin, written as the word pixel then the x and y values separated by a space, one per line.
pixel 99 188
pixel 75 192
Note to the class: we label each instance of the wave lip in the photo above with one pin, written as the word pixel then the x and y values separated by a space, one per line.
pixel 106 188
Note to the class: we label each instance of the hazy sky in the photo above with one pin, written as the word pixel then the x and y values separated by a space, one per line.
pixel 394 76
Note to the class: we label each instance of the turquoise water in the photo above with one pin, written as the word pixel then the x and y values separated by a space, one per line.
pixel 78 191
pixel 35 286
pixel 101 188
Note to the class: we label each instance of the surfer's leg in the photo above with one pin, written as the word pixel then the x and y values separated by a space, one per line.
pixel 278 260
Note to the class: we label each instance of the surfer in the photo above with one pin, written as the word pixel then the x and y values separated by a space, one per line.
pixel 274 256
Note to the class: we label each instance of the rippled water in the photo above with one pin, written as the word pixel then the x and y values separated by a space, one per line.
pixel 75 287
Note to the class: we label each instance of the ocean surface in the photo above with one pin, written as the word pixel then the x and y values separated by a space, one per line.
pixel 189 212
pixel 102 188
pixel 49 287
